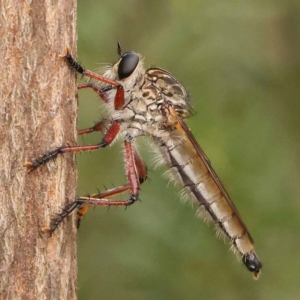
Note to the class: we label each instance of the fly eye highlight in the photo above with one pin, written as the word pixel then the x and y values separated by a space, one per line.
pixel 128 64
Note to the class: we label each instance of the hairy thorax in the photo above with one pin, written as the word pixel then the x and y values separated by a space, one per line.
pixel 148 94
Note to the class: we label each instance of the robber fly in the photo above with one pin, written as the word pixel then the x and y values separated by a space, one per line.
pixel 153 103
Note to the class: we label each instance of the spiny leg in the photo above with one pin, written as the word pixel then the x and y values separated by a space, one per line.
pixel 112 131
pixel 101 91
pixel 82 204
pixel 136 172
pixel 119 97
pixel 109 136
pixel 133 164
pixel 99 126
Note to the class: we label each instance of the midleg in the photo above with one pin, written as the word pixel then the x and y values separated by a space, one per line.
pixel 136 172
pixel 108 138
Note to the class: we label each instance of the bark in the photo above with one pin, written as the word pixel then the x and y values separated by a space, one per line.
pixel 37 113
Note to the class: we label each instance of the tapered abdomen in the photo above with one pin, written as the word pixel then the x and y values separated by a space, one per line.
pixel 191 168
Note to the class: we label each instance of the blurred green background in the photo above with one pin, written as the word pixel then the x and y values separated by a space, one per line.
pixel 240 61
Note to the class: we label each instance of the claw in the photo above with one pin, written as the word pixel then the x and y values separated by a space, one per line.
pixel 46 229
pixel 28 164
pixel 66 54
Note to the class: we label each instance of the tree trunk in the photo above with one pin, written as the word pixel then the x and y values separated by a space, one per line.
pixel 37 113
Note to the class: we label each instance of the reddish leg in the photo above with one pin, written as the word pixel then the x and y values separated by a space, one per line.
pixel 136 172
pixel 100 126
pixel 119 98
pixel 111 132
pixel 109 136
pixel 101 91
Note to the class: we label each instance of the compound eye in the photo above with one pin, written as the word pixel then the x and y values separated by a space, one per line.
pixel 127 65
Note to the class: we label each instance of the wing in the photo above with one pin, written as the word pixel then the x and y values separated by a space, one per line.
pixel 182 126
